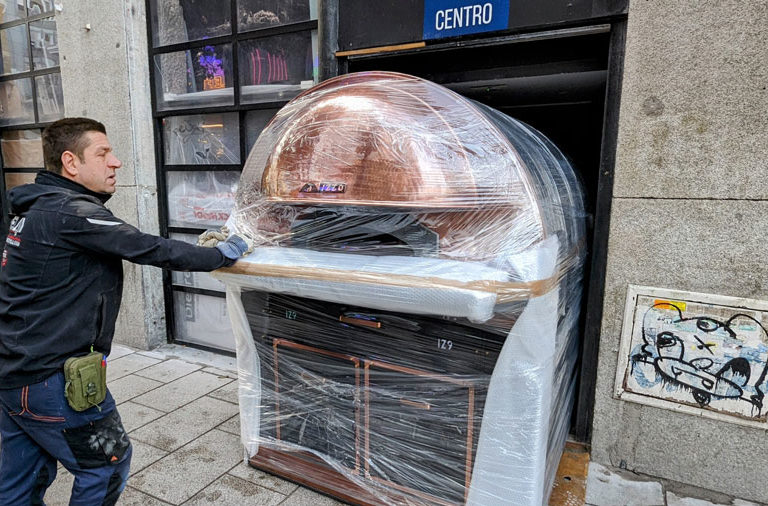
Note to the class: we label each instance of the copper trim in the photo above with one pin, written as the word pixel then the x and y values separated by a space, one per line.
pixel 505 291
pixel 319 351
pixel 415 404
pixel 360 322
pixel 470 438
pixel 414 492
pixel 380 49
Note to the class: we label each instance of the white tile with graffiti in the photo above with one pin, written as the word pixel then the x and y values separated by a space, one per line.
pixel 713 357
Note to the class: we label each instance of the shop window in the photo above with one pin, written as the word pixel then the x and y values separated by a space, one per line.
pixel 13 179
pixel 16 104
pixel 187 20
pixel 255 121
pixel 21 149
pixel 255 14
pixel 11 10
pixel 202 139
pixel 200 77
pixel 15 50
pixel 200 199
pixel 45 44
pixel 30 89
pixel 220 72
pixel 276 68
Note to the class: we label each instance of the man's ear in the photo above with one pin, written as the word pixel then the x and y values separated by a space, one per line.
pixel 68 164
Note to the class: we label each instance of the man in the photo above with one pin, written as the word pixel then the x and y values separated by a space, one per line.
pixel 60 288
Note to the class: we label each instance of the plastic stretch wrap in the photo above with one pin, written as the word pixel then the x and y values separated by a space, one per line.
pixel 406 327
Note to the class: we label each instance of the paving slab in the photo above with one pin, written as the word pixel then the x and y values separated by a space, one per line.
pixel 135 415
pixel 144 455
pixel 193 355
pixel 190 469
pixel 680 500
pixel 227 393
pixel 120 350
pixel 60 490
pixel 229 490
pixel 185 424
pixel 117 368
pixel 306 497
pixel 606 488
pixel 232 425
pixel 128 387
pixel 132 497
pixel 184 390
pixel 221 372
pixel 262 479
pixel 168 370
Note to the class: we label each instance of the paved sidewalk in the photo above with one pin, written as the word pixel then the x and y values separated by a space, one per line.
pixel 179 406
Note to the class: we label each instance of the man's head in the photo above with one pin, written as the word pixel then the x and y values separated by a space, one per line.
pixel 78 149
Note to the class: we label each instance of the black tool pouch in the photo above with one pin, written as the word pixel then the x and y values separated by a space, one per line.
pixel 86 380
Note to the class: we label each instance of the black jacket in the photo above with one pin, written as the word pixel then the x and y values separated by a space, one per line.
pixel 61 275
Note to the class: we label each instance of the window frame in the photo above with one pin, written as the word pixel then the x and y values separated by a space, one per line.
pixel 234 39
pixel 36 124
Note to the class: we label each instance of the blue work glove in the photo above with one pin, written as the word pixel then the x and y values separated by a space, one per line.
pixel 234 247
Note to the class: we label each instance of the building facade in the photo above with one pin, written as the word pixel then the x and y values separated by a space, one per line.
pixel 660 106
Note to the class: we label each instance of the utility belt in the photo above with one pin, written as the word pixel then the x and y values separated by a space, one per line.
pixel 85 380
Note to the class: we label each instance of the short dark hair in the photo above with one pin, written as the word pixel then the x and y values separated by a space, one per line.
pixel 68 134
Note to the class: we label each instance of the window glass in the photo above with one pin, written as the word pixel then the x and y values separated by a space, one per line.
pixel 200 77
pixel 194 279
pixel 45 44
pixel 177 21
pixel 10 10
pixel 16 102
pixel 203 319
pixel 50 98
pixel 15 50
pixel 35 7
pixel 202 139
pixel 22 149
pixel 255 121
pixel 255 14
pixel 276 68
pixel 13 179
pixel 200 199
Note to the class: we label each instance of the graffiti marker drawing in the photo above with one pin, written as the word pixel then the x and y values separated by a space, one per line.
pixel 717 359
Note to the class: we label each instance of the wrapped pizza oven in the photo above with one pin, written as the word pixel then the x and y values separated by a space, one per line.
pixel 406 326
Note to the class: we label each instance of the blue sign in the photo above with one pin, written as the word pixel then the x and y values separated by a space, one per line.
pixel 450 18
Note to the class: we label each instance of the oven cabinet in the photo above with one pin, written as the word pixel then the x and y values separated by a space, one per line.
pixel 369 400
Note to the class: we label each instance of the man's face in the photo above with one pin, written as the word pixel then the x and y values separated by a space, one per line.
pixel 96 170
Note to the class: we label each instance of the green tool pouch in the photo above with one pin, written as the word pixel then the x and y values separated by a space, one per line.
pixel 86 380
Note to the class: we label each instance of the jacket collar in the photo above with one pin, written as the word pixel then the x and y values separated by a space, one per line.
pixel 52 179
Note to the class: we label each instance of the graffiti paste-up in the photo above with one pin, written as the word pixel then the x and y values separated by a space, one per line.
pixel 709 356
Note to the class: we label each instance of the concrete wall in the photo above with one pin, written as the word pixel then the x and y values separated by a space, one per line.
pixel 690 212
pixel 105 76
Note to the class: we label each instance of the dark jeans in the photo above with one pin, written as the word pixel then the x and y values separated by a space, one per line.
pixel 38 428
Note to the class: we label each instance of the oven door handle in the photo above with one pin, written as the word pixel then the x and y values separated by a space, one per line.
pixel 360 322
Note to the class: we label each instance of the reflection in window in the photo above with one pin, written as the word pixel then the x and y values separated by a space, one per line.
pixel 254 14
pixel 10 10
pixel 276 68
pixel 45 46
pixel 201 139
pixel 202 319
pixel 22 149
pixel 16 102
pixel 184 20
pixel 50 99
pixel 35 7
pixel 13 179
pixel 15 50
pixel 255 121
pixel 201 199
pixel 195 78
